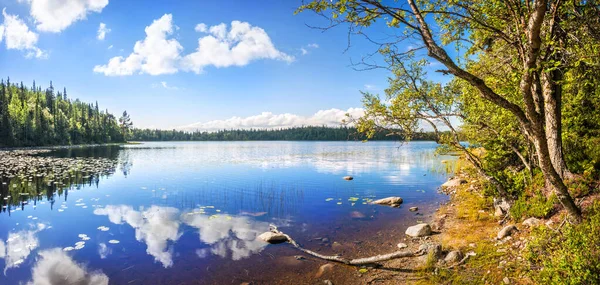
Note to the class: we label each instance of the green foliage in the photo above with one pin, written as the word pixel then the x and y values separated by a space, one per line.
pixel 536 205
pixel 33 117
pixel 569 257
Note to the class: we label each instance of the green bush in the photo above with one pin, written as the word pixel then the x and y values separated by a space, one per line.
pixel 569 257
pixel 533 206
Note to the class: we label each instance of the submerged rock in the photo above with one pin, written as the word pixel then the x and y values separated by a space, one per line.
pixel 273 238
pixel 419 230
pixel 348 177
pixel 507 231
pixel 389 201
pixel 325 268
pixel 413 209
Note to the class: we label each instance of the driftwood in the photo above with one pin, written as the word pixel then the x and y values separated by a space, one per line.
pixel 356 261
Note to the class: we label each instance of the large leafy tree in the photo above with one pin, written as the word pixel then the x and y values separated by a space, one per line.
pixel 537 42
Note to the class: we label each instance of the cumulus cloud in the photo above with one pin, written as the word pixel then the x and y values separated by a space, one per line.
pixel 235 236
pixel 201 28
pixel 56 267
pixel 56 15
pixel 154 55
pixel 224 46
pixel 268 120
pixel 155 226
pixel 102 31
pixel 238 46
pixel 17 36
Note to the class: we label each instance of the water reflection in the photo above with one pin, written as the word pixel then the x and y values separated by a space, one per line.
pixel 155 226
pixel 56 267
pixel 19 246
pixel 227 236
pixel 158 227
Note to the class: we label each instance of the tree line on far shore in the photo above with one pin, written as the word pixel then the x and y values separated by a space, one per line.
pixel 36 117
pixel 305 133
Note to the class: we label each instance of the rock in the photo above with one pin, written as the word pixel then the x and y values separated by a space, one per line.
pixel 454 182
pixel 357 215
pixel 532 222
pixel 501 207
pixel 506 231
pixel 413 209
pixel 506 280
pixel 402 245
pixel 324 269
pixel 419 230
pixel 327 282
pixel 453 256
pixel 273 238
pixel 389 201
pixel 348 177
pixel 432 248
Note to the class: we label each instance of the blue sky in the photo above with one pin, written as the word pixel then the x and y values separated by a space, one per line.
pixel 163 90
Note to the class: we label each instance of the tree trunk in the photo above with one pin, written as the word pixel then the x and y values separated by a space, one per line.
pixel 553 122
pixel 553 179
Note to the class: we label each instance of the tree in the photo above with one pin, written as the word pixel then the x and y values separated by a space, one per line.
pixel 126 124
pixel 529 36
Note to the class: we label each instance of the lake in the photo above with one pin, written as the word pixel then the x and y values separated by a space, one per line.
pixel 190 212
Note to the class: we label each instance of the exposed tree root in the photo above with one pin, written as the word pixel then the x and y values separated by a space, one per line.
pixel 356 261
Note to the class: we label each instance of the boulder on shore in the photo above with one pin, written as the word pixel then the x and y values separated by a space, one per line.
pixel 454 256
pixel 454 182
pixel 419 230
pixel 532 222
pixel 273 238
pixel 507 231
pixel 389 201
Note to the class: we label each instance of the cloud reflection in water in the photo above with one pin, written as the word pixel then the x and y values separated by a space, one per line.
pixel 227 236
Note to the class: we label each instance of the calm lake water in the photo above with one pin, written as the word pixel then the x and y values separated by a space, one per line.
pixel 190 212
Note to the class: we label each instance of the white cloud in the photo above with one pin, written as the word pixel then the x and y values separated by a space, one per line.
pixel 305 50
pixel 110 46
pixel 55 267
pixel 155 226
pixel 164 84
pixel 223 47
pixel 201 28
pixel 239 46
pixel 154 55
pixel 268 120
pixel 102 31
pixel 56 15
pixel 17 36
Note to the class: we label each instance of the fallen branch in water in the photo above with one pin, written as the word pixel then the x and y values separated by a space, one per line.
pixel 356 261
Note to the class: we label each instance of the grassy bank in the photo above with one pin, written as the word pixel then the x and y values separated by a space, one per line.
pixel 553 251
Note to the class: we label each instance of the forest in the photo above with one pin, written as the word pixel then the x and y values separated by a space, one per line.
pixel 307 133
pixel 39 116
